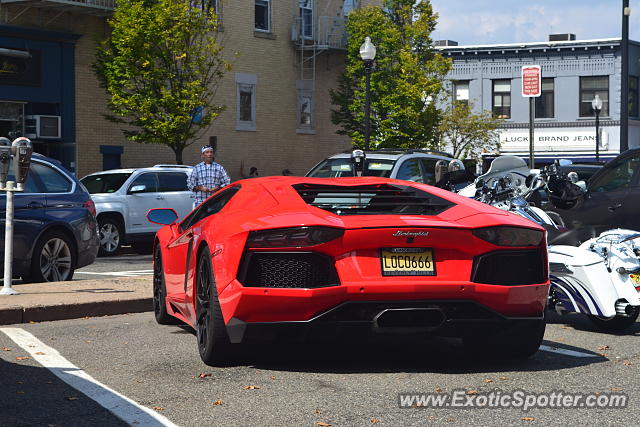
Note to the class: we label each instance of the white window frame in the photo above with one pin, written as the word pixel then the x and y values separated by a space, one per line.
pixel 246 81
pixel 304 26
pixel 269 14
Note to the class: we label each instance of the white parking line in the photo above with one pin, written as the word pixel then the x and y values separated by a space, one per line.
pixel 121 406
pixel 132 273
pixel 567 352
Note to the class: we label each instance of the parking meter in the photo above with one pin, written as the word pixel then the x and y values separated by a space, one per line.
pixel 22 150
pixel 5 160
pixel 357 158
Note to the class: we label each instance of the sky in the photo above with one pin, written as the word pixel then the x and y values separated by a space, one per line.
pixel 472 22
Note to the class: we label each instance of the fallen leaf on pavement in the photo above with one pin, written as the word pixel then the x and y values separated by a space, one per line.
pixel 39 353
pixel 603 347
pixel 450 419
pixel 158 408
pixel 488 380
pixel 6 349
pixel 527 419
pixel 439 390
pixel 273 378
pixel 321 424
pixel 23 358
pixel 374 420
pixel 504 378
pixel 616 389
pixel 627 363
pixel 204 375
pixel 604 354
pixel 317 411
pixel 251 387
pixel 218 402
pixel 472 392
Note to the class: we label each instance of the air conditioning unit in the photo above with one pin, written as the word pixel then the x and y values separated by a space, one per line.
pixel 42 127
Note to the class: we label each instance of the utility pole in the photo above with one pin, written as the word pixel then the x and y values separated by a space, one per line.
pixel 624 89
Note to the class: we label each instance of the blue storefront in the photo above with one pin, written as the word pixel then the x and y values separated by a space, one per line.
pixel 37 90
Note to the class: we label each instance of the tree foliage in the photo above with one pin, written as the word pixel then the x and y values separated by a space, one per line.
pixel 468 134
pixel 161 67
pixel 406 79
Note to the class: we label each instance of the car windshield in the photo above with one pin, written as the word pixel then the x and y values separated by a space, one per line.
pixel 342 167
pixel 105 183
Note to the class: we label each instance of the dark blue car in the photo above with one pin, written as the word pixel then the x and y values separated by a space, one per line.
pixel 55 228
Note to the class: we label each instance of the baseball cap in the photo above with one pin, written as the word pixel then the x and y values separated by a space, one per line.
pixel 206 147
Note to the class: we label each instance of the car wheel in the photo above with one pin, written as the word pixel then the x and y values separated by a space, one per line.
pixel 53 259
pixel 110 236
pixel 213 342
pixel 519 340
pixel 616 324
pixel 160 292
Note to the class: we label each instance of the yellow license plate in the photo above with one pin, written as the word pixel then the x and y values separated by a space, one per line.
pixel 407 262
pixel 635 279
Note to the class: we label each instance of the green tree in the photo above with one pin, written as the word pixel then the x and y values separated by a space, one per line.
pixel 468 134
pixel 161 67
pixel 406 79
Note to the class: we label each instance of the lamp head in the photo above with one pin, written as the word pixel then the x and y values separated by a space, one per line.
pixel 367 50
pixel 596 103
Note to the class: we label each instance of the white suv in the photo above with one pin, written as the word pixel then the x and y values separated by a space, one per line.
pixel 124 196
pixel 410 165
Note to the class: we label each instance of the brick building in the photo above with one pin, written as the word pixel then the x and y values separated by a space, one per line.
pixel 290 52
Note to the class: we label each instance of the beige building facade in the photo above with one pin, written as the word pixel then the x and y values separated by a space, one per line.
pixel 286 55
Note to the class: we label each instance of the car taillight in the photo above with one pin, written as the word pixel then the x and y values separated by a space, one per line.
pixel 296 237
pixel 510 236
pixel 91 207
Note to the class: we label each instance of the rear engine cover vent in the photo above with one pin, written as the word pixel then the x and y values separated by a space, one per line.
pixel 377 199
pixel 288 270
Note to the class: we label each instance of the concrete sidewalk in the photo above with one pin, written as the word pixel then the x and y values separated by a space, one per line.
pixel 38 302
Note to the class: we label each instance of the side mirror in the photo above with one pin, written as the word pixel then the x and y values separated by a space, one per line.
pixel 138 188
pixel 162 216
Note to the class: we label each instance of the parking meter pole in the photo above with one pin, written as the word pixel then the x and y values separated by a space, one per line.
pixel 8 243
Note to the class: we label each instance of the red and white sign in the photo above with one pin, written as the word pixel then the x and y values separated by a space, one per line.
pixel 531 80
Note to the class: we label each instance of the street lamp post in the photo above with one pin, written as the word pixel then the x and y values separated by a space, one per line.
pixel 596 105
pixel 367 53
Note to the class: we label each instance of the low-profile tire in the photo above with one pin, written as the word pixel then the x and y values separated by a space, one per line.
pixel 518 340
pixel 53 259
pixel 160 292
pixel 213 341
pixel 111 235
pixel 616 324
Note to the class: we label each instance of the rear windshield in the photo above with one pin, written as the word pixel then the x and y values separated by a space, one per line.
pixel 105 183
pixel 380 199
pixel 338 168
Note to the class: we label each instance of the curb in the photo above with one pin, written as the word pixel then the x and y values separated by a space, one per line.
pixel 17 314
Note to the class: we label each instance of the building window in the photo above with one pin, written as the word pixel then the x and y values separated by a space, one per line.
pixel 246 101
pixel 502 99
pixel 111 156
pixel 305 106
pixel 544 102
pixel 589 88
pixel 633 97
pixel 306 18
pixel 461 92
pixel 263 15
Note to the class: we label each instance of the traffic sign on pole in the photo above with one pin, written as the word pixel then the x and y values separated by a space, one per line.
pixel 531 81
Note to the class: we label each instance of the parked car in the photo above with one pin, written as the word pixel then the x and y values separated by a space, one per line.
pixel 411 165
pixel 269 255
pixel 124 196
pixel 611 199
pixel 55 228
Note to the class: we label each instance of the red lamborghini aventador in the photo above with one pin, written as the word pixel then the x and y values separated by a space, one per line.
pixel 268 255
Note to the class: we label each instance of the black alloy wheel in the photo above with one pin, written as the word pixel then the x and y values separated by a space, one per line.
pixel 160 291
pixel 213 342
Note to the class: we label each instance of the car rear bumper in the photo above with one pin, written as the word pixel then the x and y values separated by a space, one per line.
pixel 455 304
pixel 453 318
